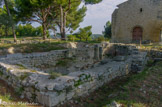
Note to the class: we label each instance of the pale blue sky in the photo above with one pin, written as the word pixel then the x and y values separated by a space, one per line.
pixel 97 15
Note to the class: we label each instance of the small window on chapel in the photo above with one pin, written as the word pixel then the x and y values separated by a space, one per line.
pixel 141 10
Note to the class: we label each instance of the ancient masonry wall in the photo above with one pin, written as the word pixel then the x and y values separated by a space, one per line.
pixel 36 85
pixel 146 14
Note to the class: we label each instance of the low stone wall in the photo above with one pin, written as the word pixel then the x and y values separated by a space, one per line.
pixel 155 54
pixel 36 61
pixel 49 61
pixel 77 59
pixel 81 83
pixel 39 87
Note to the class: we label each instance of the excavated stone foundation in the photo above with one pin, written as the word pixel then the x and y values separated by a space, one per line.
pixel 54 77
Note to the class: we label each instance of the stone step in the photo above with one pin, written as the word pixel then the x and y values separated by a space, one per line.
pixel 135 52
pixel 138 56
pixel 140 67
pixel 137 62
pixel 135 49
pixel 157 59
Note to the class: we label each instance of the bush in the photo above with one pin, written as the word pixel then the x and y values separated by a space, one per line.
pixel 150 62
pixel 100 39
pixel 54 75
pixel 71 37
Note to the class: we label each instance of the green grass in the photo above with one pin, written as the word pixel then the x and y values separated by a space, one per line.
pixel 6 97
pixel 90 41
pixel 21 66
pixel 54 75
pixel 10 38
pixel 29 48
pixel 36 45
pixel 33 71
pixel 9 97
pixel 10 102
pixel 151 46
pixel 64 62
pixel 24 76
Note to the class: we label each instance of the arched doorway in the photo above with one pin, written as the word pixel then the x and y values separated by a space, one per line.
pixel 137 34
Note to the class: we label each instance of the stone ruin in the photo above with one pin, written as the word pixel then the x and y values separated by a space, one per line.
pixel 81 71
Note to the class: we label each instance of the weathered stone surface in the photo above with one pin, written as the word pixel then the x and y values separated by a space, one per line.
pixel 143 14
pixel 119 58
pixel 114 104
pixel 50 92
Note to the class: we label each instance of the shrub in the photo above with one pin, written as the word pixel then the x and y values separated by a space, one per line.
pixel 54 75
pixel 24 76
pixel 100 39
pixel 71 37
pixel 150 62
pixel 64 62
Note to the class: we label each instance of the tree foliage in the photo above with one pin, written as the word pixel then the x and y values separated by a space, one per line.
pixel 5 23
pixel 65 15
pixel 28 30
pixel 35 11
pixel 75 17
pixel 69 15
pixel 85 33
pixel 107 31
pixel 7 6
pixel 92 1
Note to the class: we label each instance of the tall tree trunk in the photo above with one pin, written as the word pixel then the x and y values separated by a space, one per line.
pixel 13 30
pixel 63 15
pixel 55 35
pixel 9 14
pixel 0 32
pixel 62 23
pixel 44 31
pixel 44 24
pixel 6 31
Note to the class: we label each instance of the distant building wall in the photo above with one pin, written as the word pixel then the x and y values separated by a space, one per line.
pixel 146 14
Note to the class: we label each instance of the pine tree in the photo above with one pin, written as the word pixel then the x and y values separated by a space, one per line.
pixel 11 19
pixel 35 11
pixel 70 16
pixel 85 33
pixel 107 32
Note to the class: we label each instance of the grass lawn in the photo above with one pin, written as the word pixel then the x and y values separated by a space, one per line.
pixel 151 47
pixel 29 48
pixel 34 44
pixel 134 90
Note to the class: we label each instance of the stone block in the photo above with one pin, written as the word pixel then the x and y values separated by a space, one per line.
pixel 18 55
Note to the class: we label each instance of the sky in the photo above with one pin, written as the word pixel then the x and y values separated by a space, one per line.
pixel 97 15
